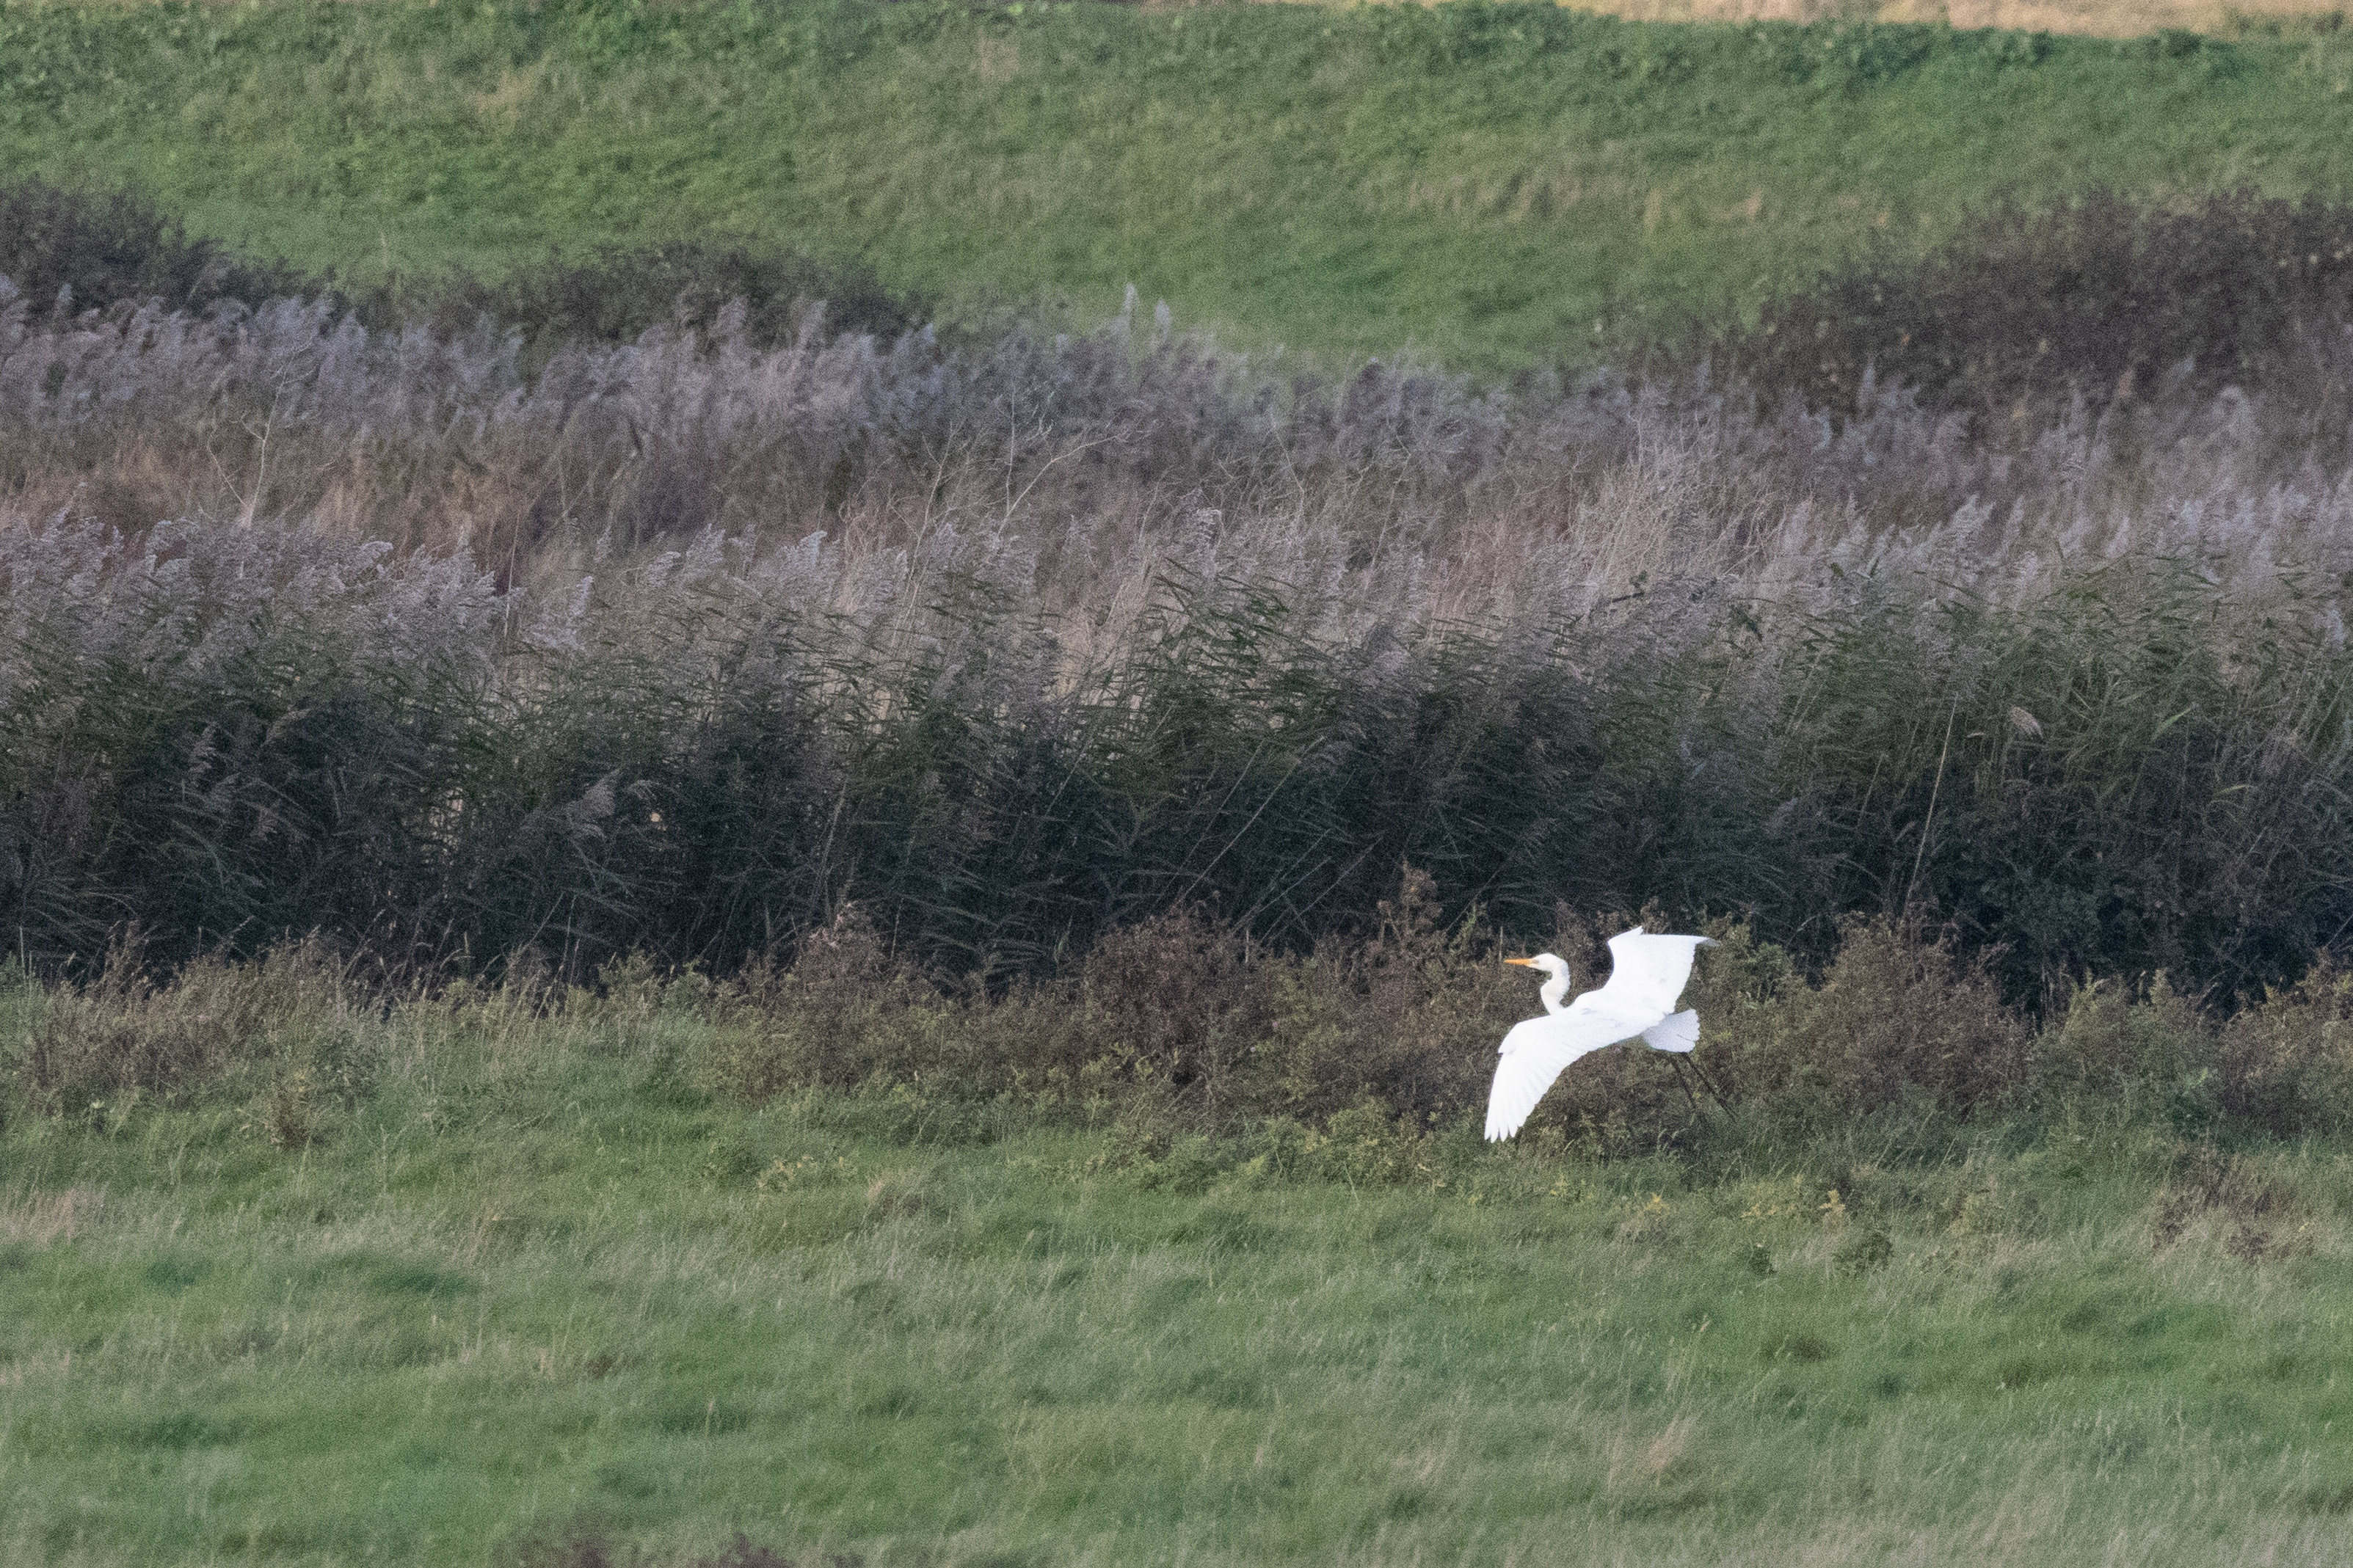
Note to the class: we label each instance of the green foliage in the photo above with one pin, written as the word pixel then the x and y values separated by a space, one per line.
pixel 1485 181
pixel 1898 1024
pixel 2106 1046
pixel 279 1032
pixel 2289 1062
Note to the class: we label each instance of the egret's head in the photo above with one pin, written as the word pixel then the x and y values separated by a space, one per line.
pixel 1551 964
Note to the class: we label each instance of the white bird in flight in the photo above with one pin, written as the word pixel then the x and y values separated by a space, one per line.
pixel 1646 977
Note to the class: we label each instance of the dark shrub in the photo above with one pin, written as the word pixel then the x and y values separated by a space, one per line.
pixel 1899 1016
pixel 113 248
pixel 1166 995
pixel 2138 1052
pixel 2287 1064
pixel 616 294
pixel 2100 298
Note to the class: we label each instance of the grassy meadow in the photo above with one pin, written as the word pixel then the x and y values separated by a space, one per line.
pixel 2100 18
pixel 525 1286
pixel 1495 187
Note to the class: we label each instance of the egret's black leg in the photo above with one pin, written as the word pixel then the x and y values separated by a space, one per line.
pixel 1686 1085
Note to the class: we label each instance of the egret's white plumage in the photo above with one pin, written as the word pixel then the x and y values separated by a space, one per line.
pixel 1646 975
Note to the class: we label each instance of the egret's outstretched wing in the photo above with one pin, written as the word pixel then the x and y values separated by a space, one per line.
pixel 1535 1052
pixel 1676 1032
pixel 1646 973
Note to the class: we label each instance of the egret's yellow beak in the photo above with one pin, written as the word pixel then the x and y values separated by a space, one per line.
pixel 1523 963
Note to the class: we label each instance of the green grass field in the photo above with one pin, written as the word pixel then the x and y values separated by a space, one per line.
pixel 1488 184
pixel 529 1285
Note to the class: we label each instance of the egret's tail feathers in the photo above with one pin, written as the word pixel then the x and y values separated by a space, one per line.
pixel 1676 1032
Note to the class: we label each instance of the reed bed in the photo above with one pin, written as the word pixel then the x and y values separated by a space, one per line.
pixel 454 646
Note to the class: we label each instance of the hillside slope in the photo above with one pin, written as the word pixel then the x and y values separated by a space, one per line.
pixel 1496 186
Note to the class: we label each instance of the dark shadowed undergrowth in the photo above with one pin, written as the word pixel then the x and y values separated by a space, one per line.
pixel 76 252
pixel 2098 299
pixel 85 251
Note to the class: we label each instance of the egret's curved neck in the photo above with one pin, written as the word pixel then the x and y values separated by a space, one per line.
pixel 1554 990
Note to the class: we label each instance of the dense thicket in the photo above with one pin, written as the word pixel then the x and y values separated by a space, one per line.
pixel 76 252
pixel 2097 298
pixel 229 734
pixel 614 294
pixel 85 252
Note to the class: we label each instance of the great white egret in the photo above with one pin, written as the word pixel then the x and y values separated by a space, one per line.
pixel 1646 977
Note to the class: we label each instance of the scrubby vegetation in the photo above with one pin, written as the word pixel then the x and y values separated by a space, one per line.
pixel 2096 300
pixel 76 253
pixel 1187 1035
